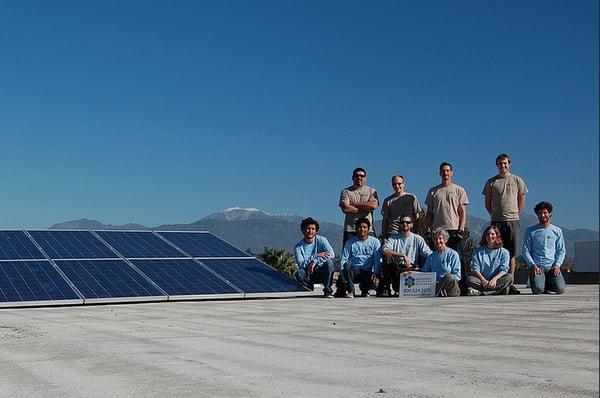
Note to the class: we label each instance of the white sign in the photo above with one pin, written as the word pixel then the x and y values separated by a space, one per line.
pixel 417 284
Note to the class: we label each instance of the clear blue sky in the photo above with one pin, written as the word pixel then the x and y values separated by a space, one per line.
pixel 164 112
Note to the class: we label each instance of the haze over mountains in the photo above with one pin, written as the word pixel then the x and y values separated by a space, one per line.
pixel 254 229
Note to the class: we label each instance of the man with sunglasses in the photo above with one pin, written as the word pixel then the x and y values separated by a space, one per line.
pixel 357 201
pixel 397 204
pixel 403 251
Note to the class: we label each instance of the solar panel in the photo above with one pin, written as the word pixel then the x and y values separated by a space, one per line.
pixel 180 277
pixel 251 275
pixel 106 279
pixel 71 244
pixel 202 244
pixel 138 244
pixel 16 245
pixel 34 283
pixel 42 267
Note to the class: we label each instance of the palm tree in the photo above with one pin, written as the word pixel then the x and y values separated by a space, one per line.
pixel 280 260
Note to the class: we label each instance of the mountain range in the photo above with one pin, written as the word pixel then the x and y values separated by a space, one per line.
pixel 253 229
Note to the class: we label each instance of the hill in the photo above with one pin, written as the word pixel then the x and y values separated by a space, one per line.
pixel 254 229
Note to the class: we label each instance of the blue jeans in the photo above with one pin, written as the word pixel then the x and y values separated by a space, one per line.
pixel 545 282
pixel 352 275
pixel 321 274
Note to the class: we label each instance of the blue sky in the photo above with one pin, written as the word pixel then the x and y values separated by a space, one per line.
pixel 164 112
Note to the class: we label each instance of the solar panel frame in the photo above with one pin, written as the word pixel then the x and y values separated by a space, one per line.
pixel 197 268
pixel 208 246
pixel 19 243
pixel 71 244
pixel 241 276
pixel 20 273
pixel 130 249
pixel 78 269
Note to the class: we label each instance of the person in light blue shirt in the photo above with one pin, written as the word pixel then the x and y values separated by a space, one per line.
pixel 544 252
pixel 445 262
pixel 314 258
pixel 403 251
pixel 490 265
pixel 361 259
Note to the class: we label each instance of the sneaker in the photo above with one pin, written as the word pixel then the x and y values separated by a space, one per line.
pixel 349 295
pixel 473 292
pixel 365 294
pixel 338 294
pixel 512 289
pixel 327 295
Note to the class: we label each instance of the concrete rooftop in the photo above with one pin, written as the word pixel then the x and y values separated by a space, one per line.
pixel 511 346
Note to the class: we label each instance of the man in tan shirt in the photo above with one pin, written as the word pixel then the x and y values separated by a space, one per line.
pixel 504 199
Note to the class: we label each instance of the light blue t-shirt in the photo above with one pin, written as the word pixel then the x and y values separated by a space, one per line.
pixel 490 261
pixel 442 263
pixel 412 246
pixel 364 254
pixel 544 247
pixel 306 253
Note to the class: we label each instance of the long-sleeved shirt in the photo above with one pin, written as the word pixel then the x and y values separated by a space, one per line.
pixel 544 247
pixel 413 246
pixel 442 263
pixel 364 254
pixel 306 253
pixel 490 262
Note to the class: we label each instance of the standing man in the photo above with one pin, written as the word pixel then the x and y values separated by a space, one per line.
pixel 314 258
pixel 447 209
pixel 361 259
pixel 396 205
pixel 544 251
pixel 504 200
pixel 402 252
pixel 356 201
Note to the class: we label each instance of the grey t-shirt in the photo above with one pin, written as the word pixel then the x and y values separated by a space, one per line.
pixel 504 192
pixel 350 196
pixel 395 207
pixel 444 203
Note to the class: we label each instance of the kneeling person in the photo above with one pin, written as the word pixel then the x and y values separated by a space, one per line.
pixel 361 259
pixel 314 258
pixel 544 251
pixel 445 262
pixel 490 265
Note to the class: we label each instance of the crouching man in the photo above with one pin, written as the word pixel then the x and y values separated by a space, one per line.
pixel 403 251
pixel 314 258
pixel 361 260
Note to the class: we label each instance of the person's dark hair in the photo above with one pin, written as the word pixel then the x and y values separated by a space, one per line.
pixel 502 156
pixel 543 205
pixel 362 220
pixel 308 221
pixel 357 170
pixel 406 215
pixel 445 164
pixel 498 243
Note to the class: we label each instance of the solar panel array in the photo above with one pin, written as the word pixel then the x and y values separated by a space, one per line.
pixel 56 267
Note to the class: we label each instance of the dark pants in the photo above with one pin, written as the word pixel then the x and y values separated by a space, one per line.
pixel 456 242
pixel 352 275
pixel 390 277
pixel 322 274
pixel 501 285
pixel 447 287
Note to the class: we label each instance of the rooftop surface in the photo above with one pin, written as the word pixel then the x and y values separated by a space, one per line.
pixel 510 346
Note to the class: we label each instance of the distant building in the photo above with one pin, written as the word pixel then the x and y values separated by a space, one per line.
pixel 587 257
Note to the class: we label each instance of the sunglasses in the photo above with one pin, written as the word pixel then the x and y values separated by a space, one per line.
pixel 405 222
pixel 359 176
